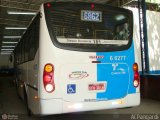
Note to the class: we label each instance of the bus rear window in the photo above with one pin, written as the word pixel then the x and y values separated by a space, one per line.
pixel 76 26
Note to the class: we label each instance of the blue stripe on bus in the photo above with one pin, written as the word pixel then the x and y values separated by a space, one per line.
pixel 116 74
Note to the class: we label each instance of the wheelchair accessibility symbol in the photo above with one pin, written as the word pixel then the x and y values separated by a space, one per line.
pixel 71 88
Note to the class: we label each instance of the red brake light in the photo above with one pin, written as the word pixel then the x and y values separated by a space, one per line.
pixel 136 75
pixel 48 78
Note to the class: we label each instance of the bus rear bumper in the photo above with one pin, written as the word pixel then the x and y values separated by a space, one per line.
pixel 129 101
pixel 58 106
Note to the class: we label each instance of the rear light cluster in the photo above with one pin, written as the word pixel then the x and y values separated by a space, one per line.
pixel 48 78
pixel 136 80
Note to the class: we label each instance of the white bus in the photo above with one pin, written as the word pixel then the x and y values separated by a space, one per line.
pixel 77 56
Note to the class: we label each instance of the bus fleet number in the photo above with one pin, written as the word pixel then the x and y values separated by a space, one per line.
pixel 118 58
pixel 92 16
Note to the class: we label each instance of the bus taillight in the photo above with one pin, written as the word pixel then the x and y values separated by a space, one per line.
pixel 136 75
pixel 92 6
pixel 48 5
pixel 135 67
pixel 48 78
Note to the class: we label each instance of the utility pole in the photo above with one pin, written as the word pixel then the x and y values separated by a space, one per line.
pixel 143 36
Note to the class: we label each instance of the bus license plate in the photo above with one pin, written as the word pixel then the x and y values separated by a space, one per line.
pixel 96 87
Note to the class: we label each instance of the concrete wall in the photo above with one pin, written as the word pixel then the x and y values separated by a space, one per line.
pixel 4 61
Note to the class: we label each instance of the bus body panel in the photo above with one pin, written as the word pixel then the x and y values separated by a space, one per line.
pixel 136 42
pixel 28 83
pixel 83 81
pixel 71 63
pixel 70 71
pixel 127 101
pixel 32 84
pixel 119 74
pixel 21 76
pixel 58 106
pixel 136 38
pixel 77 70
